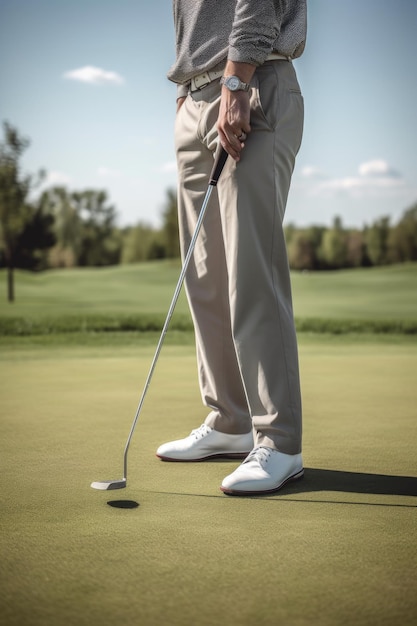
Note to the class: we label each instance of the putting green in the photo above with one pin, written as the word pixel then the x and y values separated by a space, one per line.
pixel 336 548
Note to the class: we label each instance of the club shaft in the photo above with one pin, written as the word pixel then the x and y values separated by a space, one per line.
pixel 217 169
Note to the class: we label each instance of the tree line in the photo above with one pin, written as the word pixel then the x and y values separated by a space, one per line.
pixel 63 228
pixel 380 243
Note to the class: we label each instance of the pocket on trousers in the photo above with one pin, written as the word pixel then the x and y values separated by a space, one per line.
pixel 271 87
pixel 264 102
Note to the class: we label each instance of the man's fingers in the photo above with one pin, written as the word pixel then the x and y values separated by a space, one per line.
pixel 232 143
pixel 233 123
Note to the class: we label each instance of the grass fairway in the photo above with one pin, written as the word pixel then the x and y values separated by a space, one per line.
pixel 338 548
pixel 374 293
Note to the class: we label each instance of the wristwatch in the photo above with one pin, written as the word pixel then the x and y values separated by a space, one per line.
pixel 233 83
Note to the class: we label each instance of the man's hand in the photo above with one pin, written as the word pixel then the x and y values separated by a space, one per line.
pixel 233 123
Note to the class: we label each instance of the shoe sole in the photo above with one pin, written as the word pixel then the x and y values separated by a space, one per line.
pixel 236 492
pixel 224 455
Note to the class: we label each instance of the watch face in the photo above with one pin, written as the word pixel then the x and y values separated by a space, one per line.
pixel 233 83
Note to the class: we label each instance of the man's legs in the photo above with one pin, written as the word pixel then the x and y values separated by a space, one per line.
pixel 256 310
pixel 207 289
pixel 259 280
pixel 253 196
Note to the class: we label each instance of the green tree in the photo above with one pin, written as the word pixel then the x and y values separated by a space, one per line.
pixel 315 236
pixel 301 252
pixel 36 239
pixel 356 256
pixel 137 242
pixel 15 212
pixel 334 248
pixel 68 226
pixel 99 241
pixel 170 226
pixel 376 239
pixel 85 226
pixel 402 238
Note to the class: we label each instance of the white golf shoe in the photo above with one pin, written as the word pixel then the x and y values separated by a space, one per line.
pixel 264 470
pixel 204 443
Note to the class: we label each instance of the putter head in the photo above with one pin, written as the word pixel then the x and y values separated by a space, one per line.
pixel 105 485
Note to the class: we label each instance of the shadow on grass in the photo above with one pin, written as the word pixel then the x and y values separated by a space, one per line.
pixel 322 480
pixel 356 482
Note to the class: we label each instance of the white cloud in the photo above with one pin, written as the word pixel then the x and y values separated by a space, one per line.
pixel 309 171
pixel 373 178
pixel 359 185
pixel 107 172
pixel 94 76
pixel 56 179
pixel 377 168
pixel 169 167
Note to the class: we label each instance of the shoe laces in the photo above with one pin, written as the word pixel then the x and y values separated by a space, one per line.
pixel 201 432
pixel 260 455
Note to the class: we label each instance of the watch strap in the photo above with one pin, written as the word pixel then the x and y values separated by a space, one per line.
pixel 241 85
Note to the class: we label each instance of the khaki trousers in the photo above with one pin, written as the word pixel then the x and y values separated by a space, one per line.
pixel 238 282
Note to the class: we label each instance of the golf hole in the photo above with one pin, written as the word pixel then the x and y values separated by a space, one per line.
pixel 123 504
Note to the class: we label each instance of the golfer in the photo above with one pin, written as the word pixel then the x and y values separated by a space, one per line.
pixel 237 86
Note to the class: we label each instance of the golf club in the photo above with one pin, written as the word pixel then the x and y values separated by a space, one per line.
pixel 219 162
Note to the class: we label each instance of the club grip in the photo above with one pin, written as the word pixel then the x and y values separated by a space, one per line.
pixel 219 161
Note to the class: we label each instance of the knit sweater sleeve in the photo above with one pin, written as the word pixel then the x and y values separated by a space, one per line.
pixel 255 29
pixel 261 26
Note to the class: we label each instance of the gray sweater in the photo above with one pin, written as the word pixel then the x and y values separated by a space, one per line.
pixel 208 32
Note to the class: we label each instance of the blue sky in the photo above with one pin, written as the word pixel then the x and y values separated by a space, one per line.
pixel 86 81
